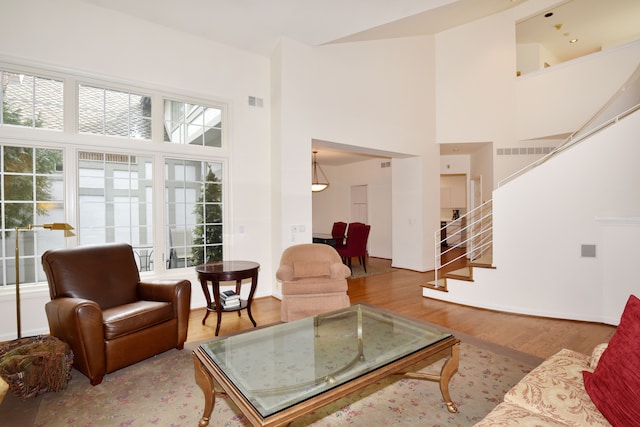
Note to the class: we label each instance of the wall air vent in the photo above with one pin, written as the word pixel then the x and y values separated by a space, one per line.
pixel 256 102
pixel 520 151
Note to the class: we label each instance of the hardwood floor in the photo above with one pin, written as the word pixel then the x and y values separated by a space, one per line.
pixel 400 291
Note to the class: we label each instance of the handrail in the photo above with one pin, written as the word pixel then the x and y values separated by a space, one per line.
pixel 475 229
pixel 568 143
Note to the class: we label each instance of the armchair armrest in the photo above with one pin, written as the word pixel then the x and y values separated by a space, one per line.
pixel 177 292
pixel 340 271
pixel 161 290
pixel 78 322
pixel 284 273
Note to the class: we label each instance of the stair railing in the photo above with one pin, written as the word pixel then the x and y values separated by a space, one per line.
pixel 472 231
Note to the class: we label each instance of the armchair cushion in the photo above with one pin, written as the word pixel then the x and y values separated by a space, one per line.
pixel 129 318
pixel 319 268
pixel 316 287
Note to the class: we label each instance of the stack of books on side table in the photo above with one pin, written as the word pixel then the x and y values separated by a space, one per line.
pixel 230 299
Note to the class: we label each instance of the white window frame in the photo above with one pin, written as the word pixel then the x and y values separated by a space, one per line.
pixel 71 142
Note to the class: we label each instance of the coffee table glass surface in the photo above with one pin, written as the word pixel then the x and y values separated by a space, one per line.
pixel 330 350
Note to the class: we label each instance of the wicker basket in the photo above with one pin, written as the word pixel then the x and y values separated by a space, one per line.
pixel 35 365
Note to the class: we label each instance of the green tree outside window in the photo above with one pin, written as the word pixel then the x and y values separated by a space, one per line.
pixel 208 233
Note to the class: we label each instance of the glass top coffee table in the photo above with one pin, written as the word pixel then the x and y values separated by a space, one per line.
pixel 278 373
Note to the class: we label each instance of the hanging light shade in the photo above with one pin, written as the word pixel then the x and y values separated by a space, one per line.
pixel 319 180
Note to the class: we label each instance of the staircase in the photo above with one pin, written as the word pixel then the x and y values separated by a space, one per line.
pixel 473 237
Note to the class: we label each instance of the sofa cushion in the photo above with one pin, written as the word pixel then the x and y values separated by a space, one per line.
pixel 555 390
pixel 129 318
pixel 614 386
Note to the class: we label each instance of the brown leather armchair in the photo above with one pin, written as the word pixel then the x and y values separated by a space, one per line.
pixel 314 281
pixel 106 314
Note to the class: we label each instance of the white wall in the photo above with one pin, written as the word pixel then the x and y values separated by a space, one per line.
pixel 291 139
pixel 333 204
pixel 380 95
pixel 533 57
pixel 482 167
pixel 475 72
pixel 542 219
pixel 552 101
pixel 620 237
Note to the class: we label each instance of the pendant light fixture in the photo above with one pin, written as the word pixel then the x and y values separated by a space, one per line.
pixel 319 180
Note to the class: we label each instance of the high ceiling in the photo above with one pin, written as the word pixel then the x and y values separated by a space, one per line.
pixel 257 25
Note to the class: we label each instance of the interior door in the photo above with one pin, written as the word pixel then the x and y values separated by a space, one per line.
pixel 359 204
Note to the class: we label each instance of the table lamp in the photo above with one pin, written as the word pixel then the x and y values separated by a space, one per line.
pixel 54 226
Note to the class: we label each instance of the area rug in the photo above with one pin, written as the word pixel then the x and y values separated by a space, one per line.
pixel 161 391
pixel 374 268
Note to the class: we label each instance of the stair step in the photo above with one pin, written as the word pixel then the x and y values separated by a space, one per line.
pixel 480 265
pixel 442 285
pixel 485 261
pixel 465 273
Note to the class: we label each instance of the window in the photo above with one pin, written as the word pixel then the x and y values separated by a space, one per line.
pixel 110 181
pixel 193 192
pixel 32 193
pixel 31 101
pixel 192 124
pixel 109 112
pixel 115 200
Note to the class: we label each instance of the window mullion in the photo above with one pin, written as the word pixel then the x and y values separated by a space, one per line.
pixel 70 106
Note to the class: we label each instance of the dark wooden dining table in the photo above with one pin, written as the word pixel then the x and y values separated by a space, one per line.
pixel 325 238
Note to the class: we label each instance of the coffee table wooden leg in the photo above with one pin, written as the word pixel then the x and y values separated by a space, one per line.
pixel 205 381
pixel 447 371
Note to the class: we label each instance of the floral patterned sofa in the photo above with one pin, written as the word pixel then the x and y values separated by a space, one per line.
pixel 552 394
pixel 573 389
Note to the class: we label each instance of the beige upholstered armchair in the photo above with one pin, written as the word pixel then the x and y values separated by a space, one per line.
pixel 314 281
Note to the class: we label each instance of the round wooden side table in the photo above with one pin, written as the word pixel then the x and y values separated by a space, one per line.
pixel 222 271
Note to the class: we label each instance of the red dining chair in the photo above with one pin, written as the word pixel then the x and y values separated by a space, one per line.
pixel 338 233
pixel 357 236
